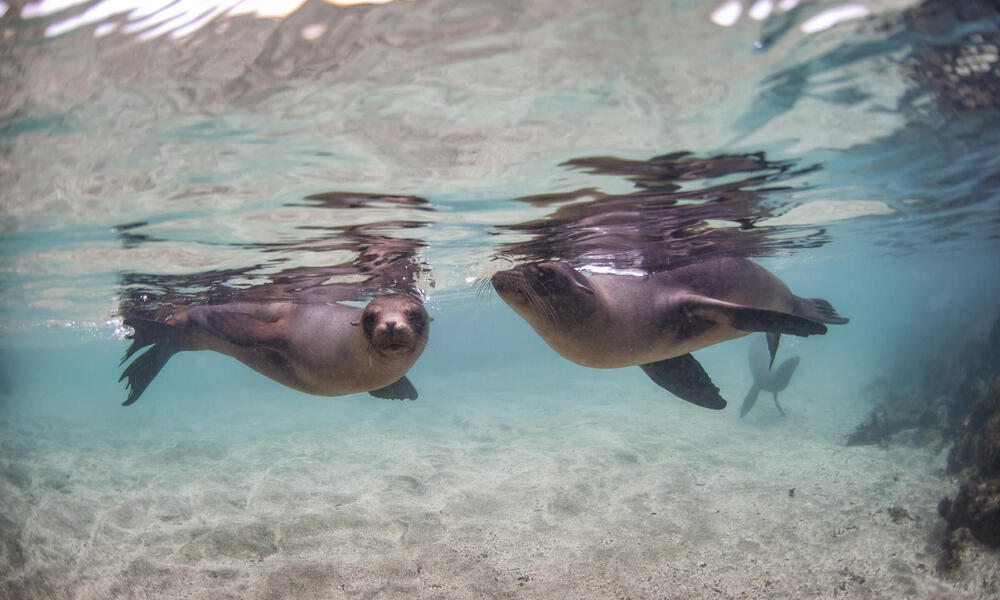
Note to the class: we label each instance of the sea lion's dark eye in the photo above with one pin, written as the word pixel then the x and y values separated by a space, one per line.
pixel 543 283
pixel 368 322
pixel 416 319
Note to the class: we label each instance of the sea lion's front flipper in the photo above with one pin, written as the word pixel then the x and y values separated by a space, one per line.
pixel 685 378
pixel 402 389
pixel 239 326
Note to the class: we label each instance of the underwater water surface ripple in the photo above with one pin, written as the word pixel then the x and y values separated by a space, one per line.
pixel 204 143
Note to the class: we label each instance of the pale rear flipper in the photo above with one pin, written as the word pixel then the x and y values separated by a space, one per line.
pixel 772 381
pixel 778 406
pixel 778 379
pixel 750 399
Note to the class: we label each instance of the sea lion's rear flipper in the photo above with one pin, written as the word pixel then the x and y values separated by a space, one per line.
pixel 773 339
pixel 402 389
pixel 165 342
pixel 819 309
pixel 145 332
pixel 750 400
pixel 748 318
pixel 685 378
pixel 241 327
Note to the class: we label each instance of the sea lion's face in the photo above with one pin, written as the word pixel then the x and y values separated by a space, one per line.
pixel 543 291
pixel 395 325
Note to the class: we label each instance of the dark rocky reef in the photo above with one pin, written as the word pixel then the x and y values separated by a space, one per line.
pixel 962 71
pixel 977 508
pixel 935 389
pixel 956 397
pixel 976 454
pixel 977 442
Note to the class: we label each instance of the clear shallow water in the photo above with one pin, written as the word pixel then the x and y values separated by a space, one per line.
pixel 849 161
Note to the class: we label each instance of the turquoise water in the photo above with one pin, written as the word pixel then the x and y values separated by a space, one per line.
pixel 431 144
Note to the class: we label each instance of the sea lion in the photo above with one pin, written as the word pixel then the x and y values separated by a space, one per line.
pixel 325 349
pixel 656 319
pixel 765 378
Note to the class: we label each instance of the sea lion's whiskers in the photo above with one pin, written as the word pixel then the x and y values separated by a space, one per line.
pixel 542 307
pixel 537 306
pixel 550 312
pixel 482 286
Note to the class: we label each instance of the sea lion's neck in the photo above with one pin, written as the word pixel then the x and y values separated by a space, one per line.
pixel 567 320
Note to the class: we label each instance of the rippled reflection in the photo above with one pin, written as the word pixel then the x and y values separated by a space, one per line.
pixel 686 208
pixel 211 140
pixel 316 263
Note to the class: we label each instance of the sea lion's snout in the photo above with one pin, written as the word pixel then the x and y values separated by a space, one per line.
pixel 395 325
pixel 538 280
pixel 501 281
pixel 392 337
pixel 512 285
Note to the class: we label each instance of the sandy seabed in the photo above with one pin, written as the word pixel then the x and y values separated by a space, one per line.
pixel 470 493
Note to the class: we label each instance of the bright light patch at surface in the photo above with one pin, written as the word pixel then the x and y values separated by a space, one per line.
pixel 154 18
pixel 761 10
pixel 828 211
pixel 44 8
pixel 727 14
pixel 828 18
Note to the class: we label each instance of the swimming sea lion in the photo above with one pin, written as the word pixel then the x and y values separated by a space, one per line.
pixel 765 378
pixel 655 320
pixel 325 349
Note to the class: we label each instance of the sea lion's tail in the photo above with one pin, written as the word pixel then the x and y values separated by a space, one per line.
pixel 820 310
pixel 165 341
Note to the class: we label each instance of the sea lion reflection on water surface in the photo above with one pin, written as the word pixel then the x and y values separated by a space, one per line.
pixel 657 319
pixel 325 349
